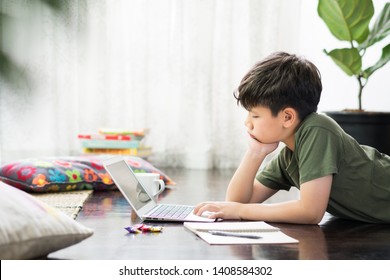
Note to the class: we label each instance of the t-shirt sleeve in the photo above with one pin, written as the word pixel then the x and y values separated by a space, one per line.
pixel 318 152
pixel 274 174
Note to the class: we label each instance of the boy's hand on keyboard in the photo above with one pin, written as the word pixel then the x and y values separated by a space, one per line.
pixel 207 214
pixel 223 210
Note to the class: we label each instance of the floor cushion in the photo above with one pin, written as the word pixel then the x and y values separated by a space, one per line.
pixel 31 229
pixel 55 174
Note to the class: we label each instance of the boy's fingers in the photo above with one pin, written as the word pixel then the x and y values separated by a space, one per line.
pixel 199 206
pixel 203 207
pixel 216 215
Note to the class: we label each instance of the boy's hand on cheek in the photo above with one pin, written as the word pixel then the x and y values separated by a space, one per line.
pixel 262 148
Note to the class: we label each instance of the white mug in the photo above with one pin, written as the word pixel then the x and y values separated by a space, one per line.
pixel 152 183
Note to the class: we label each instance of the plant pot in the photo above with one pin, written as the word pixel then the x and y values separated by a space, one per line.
pixel 368 128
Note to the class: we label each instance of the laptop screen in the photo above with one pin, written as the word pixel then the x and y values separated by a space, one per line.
pixel 124 178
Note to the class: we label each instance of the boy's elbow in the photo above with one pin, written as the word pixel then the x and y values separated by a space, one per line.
pixel 313 218
pixel 313 221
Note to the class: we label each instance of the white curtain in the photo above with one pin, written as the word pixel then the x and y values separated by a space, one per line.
pixel 166 65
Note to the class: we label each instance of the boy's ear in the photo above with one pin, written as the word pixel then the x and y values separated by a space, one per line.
pixel 290 117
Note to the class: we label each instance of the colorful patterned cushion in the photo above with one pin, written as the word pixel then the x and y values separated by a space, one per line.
pixel 55 174
pixel 32 229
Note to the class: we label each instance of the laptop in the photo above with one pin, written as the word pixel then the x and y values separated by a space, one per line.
pixel 142 201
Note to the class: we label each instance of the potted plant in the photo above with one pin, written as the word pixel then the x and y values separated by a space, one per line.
pixel 349 21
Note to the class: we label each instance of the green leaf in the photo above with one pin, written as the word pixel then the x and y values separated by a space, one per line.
pixel 385 57
pixel 55 5
pixel 12 73
pixel 348 60
pixel 347 20
pixel 380 30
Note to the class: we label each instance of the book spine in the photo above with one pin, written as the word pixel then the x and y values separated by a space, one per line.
pixel 104 137
pixel 110 144
pixel 129 152
pixel 121 132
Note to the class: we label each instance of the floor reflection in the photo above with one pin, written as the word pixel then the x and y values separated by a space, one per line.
pixel 311 246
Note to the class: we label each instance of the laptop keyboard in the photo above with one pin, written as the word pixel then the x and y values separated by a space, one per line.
pixel 172 211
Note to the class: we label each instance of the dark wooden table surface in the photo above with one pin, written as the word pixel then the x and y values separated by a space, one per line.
pixel 108 213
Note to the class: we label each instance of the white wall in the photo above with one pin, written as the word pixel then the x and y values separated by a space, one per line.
pixel 339 90
pixel 85 81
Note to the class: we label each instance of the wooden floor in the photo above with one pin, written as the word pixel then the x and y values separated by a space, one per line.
pixel 108 213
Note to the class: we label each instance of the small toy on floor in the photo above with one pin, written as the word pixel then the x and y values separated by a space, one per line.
pixel 141 228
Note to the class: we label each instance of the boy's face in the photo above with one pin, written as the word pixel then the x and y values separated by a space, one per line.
pixel 264 127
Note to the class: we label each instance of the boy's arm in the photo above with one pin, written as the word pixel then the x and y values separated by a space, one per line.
pixel 309 209
pixel 243 186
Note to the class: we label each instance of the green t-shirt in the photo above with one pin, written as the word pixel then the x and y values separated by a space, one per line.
pixel 361 175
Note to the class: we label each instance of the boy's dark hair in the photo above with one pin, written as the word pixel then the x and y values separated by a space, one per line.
pixel 279 81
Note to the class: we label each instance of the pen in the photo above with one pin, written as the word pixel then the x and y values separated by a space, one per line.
pixel 233 234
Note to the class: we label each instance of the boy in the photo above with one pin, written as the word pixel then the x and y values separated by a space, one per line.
pixel 333 172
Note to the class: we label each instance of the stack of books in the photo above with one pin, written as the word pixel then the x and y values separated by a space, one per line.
pixel 116 142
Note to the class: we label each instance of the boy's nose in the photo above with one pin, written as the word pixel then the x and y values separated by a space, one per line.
pixel 247 123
